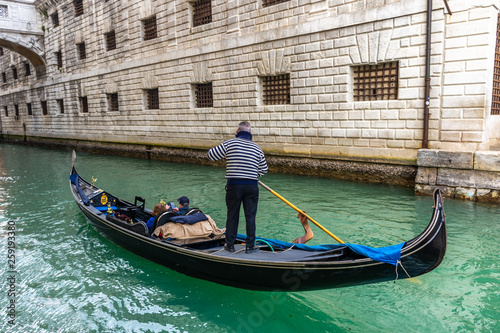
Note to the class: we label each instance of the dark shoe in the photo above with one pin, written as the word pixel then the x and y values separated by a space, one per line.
pixel 252 249
pixel 229 248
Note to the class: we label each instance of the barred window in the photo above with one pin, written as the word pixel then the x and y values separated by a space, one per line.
pixel 4 77
pixel 495 103
pixel 28 108
pixel 78 4
pixel 267 3
pixel 276 89
pixel 14 72
pixel 149 25
pixel 16 111
pixel 84 105
pixel 60 104
pixel 202 12
pixel 152 99
pixel 27 69
pixel 45 109
pixel 59 59
pixel 6 109
pixel 81 50
pixel 55 19
pixel 376 82
pixel 113 102
pixel 203 94
pixel 110 40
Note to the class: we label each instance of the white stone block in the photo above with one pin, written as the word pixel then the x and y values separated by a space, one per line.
pixel 471 53
pixel 369 133
pixel 467 28
pixel 462 125
pixel 409 93
pixel 464 101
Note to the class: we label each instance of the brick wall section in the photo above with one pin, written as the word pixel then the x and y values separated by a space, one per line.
pixel 317 42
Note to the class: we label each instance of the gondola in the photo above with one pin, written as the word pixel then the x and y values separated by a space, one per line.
pixel 277 266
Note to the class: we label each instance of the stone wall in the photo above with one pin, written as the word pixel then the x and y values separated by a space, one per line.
pixel 317 42
pixel 464 175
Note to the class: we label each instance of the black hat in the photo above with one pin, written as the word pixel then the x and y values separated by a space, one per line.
pixel 183 200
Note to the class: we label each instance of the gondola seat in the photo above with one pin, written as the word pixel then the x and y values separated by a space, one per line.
pixel 138 227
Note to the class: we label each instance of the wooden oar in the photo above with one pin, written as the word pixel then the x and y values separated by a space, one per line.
pixel 301 212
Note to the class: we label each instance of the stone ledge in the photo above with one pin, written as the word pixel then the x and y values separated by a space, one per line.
pixel 445 159
pixel 487 160
pixel 468 178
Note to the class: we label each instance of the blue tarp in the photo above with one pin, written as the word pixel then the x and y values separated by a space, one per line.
pixel 388 254
pixel 74 178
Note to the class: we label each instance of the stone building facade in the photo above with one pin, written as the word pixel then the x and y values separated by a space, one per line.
pixel 323 82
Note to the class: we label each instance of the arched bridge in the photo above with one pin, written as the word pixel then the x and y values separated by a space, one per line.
pixel 21 31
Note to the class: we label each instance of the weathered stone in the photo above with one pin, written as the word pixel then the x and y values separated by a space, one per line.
pixel 468 178
pixel 426 176
pixel 448 192
pixel 465 193
pixel 445 159
pixel 487 160
pixel 423 189
pixel 486 195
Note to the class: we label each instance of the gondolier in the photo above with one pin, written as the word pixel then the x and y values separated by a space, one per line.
pixel 245 162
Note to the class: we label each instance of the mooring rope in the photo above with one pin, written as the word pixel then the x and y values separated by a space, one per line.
pixel 397 275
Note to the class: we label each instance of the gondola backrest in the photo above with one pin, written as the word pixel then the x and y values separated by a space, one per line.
pixel 163 218
pixel 101 200
pixel 193 211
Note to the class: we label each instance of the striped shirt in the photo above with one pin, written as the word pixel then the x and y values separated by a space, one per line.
pixel 244 158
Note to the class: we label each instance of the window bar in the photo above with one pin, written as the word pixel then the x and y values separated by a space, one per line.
pixel 84 104
pixel 376 82
pixel 113 102
pixel 276 89
pixel 110 41
pixel 81 51
pixel 204 95
pixel 153 99
pixel 150 31
pixel 267 3
pixel 45 110
pixel 202 12
pixel 78 4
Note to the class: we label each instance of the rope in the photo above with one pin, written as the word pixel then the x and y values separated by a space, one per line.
pixel 397 275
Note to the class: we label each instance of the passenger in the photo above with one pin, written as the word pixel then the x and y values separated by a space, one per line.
pixel 183 205
pixel 156 210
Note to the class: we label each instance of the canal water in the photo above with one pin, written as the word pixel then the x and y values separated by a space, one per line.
pixel 66 277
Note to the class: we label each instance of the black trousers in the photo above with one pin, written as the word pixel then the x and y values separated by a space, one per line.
pixel 235 196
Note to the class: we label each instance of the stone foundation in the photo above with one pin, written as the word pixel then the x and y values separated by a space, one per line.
pixel 471 176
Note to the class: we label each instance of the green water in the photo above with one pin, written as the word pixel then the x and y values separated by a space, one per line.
pixel 68 278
